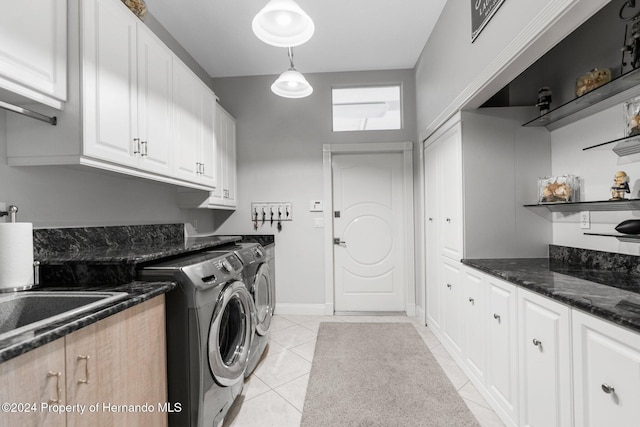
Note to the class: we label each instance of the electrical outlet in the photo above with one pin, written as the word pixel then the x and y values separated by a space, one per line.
pixel 585 219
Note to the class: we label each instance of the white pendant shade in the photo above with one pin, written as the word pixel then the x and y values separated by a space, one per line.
pixel 291 84
pixel 282 23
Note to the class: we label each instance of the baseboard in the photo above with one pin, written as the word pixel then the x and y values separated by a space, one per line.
pixel 420 314
pixel 411 310
pixel 301 309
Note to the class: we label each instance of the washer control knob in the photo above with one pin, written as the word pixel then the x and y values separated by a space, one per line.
pixel 226 266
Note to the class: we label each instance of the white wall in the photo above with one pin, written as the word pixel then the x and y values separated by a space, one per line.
pixel 279 151
pixel 596 169
pixel 51 196
pixel 453 73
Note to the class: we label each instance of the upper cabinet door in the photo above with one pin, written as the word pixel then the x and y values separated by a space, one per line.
pixel 33 53
pixel 155 102
pixel 450 187
pixel 208 153
pixel 187 107
pixel 110 82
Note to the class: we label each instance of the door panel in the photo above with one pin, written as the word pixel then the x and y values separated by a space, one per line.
pixel 369 265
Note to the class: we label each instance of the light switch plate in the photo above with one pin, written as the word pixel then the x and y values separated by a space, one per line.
pixel 315 206
pixel 585 219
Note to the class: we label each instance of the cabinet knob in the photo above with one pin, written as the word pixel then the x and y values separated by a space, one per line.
pixel 608 389
pixel 472 301
pixel 496 316
pixel 448 220
pixel 536 342
pixel 430 219
pixel 449 285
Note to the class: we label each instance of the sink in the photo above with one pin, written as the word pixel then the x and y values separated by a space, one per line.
pixel 26 311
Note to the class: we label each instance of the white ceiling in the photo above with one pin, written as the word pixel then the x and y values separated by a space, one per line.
pixel 351 35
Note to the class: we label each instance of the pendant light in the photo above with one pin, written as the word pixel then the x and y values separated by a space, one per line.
pixel 283 23
pixel 291 83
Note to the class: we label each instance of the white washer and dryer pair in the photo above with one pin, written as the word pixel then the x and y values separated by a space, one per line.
pixel 210 329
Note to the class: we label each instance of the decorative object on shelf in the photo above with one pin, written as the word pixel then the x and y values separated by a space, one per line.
pixel 544 100
pixel 138 7
pixel 632 117
pixel 621 186
pixel 629 226
pixel 631 45
pixel 591 80
pixel 291 83
pixel 283 23
pixel 558 189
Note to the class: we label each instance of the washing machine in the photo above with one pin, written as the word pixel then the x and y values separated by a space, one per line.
pixel 258 278
pixel 209 324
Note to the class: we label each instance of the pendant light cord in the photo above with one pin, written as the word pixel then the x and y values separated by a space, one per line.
pixel 291 58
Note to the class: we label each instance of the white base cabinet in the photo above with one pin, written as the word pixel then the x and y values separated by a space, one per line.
pixel 544 342
pixel 606 373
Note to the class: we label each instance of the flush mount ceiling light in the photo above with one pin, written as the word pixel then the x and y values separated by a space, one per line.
pixel 282 23
pixel 291 83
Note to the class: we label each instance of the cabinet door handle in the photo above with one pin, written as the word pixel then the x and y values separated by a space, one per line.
pixel 86 369
pixel 537 342
pixel 608 389
pixel 496 316
pixel 202 168
pixel 472 301
pixel 144 151
pixel 448 220
pixel 430 219
pixel 58 389
pixel 136 146
pixel 449 285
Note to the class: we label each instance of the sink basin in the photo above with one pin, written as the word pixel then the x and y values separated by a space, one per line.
pixel 21 312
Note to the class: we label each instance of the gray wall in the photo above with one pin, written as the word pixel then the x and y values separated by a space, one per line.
pixel 279 151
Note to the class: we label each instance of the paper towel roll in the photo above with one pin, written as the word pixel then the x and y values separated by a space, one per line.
pixel 16 254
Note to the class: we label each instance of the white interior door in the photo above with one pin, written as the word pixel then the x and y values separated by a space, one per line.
pixel 369 228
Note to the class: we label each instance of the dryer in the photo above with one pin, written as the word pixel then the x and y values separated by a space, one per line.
pixel 209 332
pixel 258 278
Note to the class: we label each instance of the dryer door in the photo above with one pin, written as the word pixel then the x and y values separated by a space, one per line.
pixel 263 299
pixel 230 334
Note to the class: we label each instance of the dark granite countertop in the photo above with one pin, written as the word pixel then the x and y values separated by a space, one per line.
pixel 610 295
pixel 138 293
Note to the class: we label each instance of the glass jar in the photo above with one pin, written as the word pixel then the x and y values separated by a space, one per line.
pixel 591 80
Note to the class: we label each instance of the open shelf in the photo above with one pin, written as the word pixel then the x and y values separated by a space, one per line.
pixel 625 147
pixel 616 91
pixel 621 237
pixel 602 205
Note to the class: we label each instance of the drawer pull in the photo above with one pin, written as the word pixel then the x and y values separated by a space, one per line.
pixel 537 343
pixel 86 369
pixel 608 389
pixel 58 389
pixel 496 316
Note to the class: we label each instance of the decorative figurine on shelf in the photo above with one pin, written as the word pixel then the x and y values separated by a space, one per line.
pixel 621 187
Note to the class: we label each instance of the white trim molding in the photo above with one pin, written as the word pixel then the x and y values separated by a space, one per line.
pixel 406 148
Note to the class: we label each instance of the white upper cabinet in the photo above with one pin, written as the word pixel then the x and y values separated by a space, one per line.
pixel 134 108
pixel 224 195
pixel 33 52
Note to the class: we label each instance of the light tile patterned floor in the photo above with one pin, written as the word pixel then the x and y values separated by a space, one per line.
pixel 274 394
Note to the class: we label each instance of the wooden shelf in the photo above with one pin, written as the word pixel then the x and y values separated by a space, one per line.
pixel 616 91
pixel 602 205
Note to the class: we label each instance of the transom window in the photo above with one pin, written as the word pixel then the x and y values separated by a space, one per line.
pixel 367 108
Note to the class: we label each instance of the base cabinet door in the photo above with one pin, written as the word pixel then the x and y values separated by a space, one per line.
pixel 452 293
pixel 30 381
pixel 545 361
pixel 502 355
pixel 473 318
pixel 606 373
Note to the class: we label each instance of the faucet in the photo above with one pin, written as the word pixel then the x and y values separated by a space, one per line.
pixel 10 212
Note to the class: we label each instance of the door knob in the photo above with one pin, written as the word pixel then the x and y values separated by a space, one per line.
pixel 337 241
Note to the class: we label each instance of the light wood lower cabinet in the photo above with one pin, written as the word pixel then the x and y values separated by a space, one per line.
pixel 606 373
pixel 120 360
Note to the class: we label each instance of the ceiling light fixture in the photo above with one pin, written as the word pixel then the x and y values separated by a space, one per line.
pixel 291 83
pixel 283 23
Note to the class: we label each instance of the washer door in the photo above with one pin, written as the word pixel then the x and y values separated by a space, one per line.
pixel 263 299
pixel 230 334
